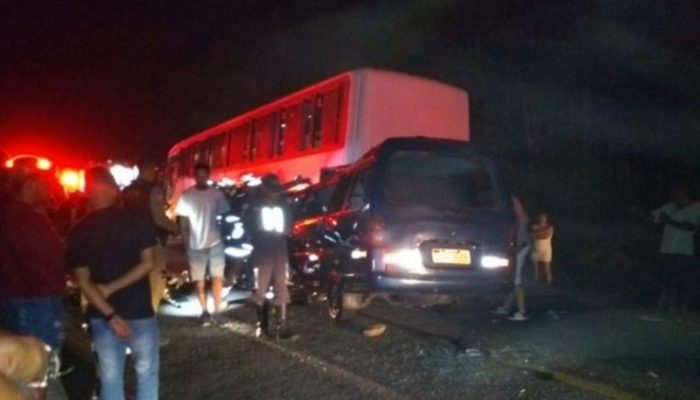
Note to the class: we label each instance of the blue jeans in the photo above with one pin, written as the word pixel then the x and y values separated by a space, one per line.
pixel 111 356
pixel 41 317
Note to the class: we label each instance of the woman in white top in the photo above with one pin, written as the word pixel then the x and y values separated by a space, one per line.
pixel 541 232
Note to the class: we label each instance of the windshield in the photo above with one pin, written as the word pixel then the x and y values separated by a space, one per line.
pixel 450 180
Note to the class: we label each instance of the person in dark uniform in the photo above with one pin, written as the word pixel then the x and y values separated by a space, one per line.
pixel 269 218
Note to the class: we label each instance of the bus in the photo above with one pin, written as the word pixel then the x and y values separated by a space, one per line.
pixel 327 124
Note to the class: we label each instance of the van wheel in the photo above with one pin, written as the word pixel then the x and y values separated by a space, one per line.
pixel 336 302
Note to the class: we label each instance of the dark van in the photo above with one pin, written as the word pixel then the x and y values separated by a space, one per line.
pixel 414 216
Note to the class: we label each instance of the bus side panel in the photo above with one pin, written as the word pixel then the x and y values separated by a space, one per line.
pixel 392 104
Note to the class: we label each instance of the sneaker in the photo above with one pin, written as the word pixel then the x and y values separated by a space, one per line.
pixel 519 317
pixel 500 311
pixel 205 319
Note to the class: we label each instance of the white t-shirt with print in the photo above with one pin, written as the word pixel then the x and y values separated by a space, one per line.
pixel 674 240
pixel 200 207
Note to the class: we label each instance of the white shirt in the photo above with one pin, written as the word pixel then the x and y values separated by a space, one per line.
pixel 201 207
pixel 674 240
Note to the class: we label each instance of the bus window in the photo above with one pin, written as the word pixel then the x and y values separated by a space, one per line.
pixel 266 133
pixel 209 151
pixel 223 150
pixel 307 125
pixel 218 150
pixel 253 138
pixel 281 124
pixel 331 116
pixel 318 120
pixel 202 152
pixel 196 157
pixel 238 145
pixel 293 131
pixel 186 161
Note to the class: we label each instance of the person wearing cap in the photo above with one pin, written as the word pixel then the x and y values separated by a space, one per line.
pixel 269 215
pixel 110 252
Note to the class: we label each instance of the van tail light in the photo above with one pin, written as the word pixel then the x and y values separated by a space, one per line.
pixel 331 222
pixel 376 230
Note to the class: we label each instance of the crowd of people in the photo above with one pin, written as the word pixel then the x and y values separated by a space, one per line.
pixel 113 249
pixel 111 243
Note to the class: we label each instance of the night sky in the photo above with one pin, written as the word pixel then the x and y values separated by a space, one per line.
pixel 118 79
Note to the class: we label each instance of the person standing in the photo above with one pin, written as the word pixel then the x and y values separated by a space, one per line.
pixel 269 216
pixel 146 198
pixel 522 243
pixel 680 219
pixel 32 264
pixel 541 233
pixel 197 209
pixel 110 252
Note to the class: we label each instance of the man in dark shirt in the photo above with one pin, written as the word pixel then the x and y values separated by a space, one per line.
pixel 32 273
pixel 111 254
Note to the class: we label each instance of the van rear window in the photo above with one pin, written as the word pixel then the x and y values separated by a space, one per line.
pixel 454 180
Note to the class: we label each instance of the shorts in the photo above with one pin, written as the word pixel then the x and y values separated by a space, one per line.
pixel 213 257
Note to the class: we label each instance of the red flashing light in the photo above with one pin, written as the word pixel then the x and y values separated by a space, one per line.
pixel 71 180
pixel 26 161
pixel 43 164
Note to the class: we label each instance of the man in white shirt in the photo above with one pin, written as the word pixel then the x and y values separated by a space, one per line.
pixel 680 219
pixel 197 208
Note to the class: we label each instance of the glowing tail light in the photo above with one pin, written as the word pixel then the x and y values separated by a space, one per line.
pixel 376 231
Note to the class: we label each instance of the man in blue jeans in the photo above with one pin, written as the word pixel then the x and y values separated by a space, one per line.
pixel 111 254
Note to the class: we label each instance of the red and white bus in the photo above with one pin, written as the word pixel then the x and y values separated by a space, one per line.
pixel 327 124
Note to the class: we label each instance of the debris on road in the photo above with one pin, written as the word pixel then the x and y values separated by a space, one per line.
pixel 473 352
pixel 374 330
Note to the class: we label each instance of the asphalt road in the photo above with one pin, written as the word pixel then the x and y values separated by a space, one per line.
pixel 574 347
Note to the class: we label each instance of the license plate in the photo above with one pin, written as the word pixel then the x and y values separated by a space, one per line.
pixel 451 256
